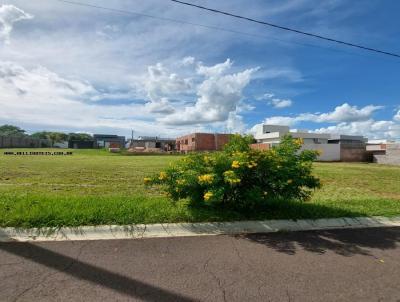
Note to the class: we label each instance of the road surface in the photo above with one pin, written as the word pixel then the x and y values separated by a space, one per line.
pixel 340 265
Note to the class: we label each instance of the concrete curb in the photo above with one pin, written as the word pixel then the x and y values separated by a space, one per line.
pixel 139 231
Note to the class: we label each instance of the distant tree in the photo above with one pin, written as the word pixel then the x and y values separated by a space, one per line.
pixel 240 143
pixel 41 135
pixel 10 130
pixel 54 137
pixel 80 137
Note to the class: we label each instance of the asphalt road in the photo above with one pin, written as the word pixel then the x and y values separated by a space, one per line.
pixel 341 265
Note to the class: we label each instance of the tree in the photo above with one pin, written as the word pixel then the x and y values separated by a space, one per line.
pixel 10 130
pixel 80 137
pixel 54 137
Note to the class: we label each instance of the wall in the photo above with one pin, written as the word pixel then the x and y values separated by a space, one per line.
pixel 392 156
pixel 23 142
pixel 353 152
pixel 202 142
pixel 260 146
pixel 329 152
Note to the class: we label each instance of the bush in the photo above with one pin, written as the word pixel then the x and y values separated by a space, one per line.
pixel 239 177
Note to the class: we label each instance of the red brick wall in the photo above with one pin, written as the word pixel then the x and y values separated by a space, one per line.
pixel 222 140
pixel 260 146
pixel 201 142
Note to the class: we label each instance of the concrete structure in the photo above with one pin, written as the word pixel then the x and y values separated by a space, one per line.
pixel 151 144
pixel 109 141
pixel 80 144
pixel 201 142
pixel 272 134
pixel 333 147
pixel 23 142
pixel 390 157
pixel 62 144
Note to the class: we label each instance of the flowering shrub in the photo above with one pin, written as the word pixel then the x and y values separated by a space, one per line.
pixel 240 177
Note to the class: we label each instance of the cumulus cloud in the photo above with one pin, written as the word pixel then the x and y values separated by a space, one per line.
pixel 158 85
pixel 343 113
pixel 216 70
pixel 276 102
pixel 41 81
pixel 397 116
pixel 347 119
pixel 186 61
pixel 369 128
pixel 42 98
pixel 218 95
pixel 9 14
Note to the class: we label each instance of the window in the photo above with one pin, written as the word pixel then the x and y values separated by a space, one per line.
pixel 192 139
pixel 186 141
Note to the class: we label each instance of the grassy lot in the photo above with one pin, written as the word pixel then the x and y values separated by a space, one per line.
pixel 96 187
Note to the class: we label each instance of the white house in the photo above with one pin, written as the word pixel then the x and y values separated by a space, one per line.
pixel 333 147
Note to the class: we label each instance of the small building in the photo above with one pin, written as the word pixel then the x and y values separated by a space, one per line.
pixel 201 142
pixel 81 144
pixel 151 144
pixel 333 147
pixel 109 141
pixel 385 152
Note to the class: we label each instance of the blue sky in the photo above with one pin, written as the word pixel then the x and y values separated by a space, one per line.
pixel 73 68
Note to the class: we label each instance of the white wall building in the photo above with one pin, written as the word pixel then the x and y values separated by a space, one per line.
pixel 333 147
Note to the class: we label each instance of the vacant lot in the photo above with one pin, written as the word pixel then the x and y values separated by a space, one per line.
pixel 96 187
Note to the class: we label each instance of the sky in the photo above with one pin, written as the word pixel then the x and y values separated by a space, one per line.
pixel 72 68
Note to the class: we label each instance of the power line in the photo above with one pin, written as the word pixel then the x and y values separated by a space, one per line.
pixel 287 28
pixel 126 12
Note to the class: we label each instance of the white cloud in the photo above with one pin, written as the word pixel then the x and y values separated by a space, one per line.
pixel 158 85
pixel 162 106
pixel 369 128
pixel 41 99
pixel 343 113
pixel 348 120
pixel 276 102
pixel 235 123
pixel 281 120
pixel 281 103
pixel 218 95
pixel 9 14
pixel 397 116
pixel 188 61
pixel 216 70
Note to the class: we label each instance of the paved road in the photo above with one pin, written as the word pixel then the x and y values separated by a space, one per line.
pixel 342 265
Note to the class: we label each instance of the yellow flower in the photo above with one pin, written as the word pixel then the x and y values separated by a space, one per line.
pixel 162 176
pixel 208 195
pixel 206 178
pixel 147 180
pixel 235 164
pixel 290 181
pixel 299 141
pixel 230 177
pixel 252 164
pixel 180 181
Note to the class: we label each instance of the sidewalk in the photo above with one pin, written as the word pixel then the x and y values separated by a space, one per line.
pixel 139 231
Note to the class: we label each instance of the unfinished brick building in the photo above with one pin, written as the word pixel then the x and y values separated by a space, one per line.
pixel 201 142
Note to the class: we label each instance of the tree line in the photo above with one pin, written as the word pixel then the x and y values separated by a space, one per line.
pixel 54 137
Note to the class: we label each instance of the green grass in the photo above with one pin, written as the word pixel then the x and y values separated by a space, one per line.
pixel 97 187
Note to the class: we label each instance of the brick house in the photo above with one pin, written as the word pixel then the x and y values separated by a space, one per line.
pixel 201 142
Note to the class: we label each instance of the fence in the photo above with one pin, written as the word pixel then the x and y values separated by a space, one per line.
pixel 23 142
